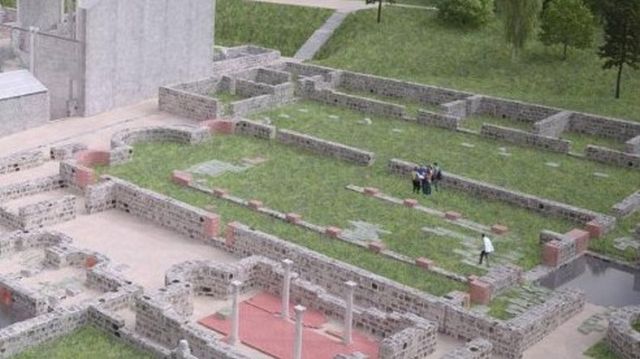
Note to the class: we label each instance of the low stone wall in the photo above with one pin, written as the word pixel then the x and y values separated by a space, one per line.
pixel 603 126
pixel 21 161
pixel 627 206
pixel 243 57
pixel 399 89
pixel 188 104
pixel 328 75
pixel 633 146
pixel 516 110
pixel 265 75
pixel 282 95
pixel 255 129
pixel 191 221
pixel 438 120
pixel 520 137
pixel 475 349
pixel 606 155
pixel 46 213
pixel 326 148
pixel 520 199
pixel 66 151
pixel 21 301
pixel 357 103
pixel 553 126
pixel 623 339
pixel 31 187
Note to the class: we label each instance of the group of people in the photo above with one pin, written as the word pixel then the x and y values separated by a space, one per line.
pixel 425 177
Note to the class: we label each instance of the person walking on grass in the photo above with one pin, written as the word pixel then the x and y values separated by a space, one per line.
pixel 487 248
pixel 416 179
pixel 437 176
pixel 426 182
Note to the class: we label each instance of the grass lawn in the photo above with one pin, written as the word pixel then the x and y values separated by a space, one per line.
pixel 601 350
pixel 475 123
pixel 280 27
pixel 525 170
pixel 86 343
pixel 415 46
pixel 636 325
pixel 8 3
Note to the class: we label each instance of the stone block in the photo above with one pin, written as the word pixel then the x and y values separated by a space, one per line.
pixel 293 217
pixel 480 292
pixel 181 178
pixel 376 247
pixel 84 177
pixel 595 229
pixel 424 263
pixel 225 127
pixel 333 232
pixel 371 191
pixel 453 216
pixel 551 253
pixel 255 204
pixel 410 202
pixel 211 225
pixel 229 234
pixel 6 297
pixel 92 158
pixel 220 192
pixel 90 262
pixel 580 237
pixel 499 229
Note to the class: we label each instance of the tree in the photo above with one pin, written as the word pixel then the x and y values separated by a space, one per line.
pixel 465 13
pixel 519 19
pixel 567 22
pixel 621 36
pixel 380 6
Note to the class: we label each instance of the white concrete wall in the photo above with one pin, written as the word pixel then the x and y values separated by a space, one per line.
pixel 43 14
pixel 23 112
pixel 135 46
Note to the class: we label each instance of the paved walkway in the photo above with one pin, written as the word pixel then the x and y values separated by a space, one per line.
pixel 320 36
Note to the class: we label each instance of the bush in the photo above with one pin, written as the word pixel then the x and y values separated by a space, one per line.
pixel 465 13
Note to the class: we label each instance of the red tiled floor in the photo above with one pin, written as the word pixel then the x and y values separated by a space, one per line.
pixel 271 304
pixel 269 333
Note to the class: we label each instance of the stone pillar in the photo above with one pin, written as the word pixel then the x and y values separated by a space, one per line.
pixel 348 316
pixel 235 313
pixel 297 343
pixel 286 281
pixel 33 32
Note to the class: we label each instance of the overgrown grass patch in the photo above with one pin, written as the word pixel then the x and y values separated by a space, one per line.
pixel 281 27
pixel 86 343
pixel 601 350
pixel 415 46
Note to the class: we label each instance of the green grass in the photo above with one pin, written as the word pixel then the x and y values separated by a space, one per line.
pixel 475 123
pixel 8 3
pixel 86 343
pixel 579 141
pixel 636 325
pixel 414 46
pixel 525 170
pixel 411 107
pixel 281 27
pixel 601 350
pixel 498 306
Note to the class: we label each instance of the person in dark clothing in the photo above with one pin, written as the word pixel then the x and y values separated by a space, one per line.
pixel 416 179
pixel 426 182
pixel 437 176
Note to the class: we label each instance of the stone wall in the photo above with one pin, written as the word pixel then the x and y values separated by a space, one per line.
pixel 622 338
pixel 627 206
pixel 633 145
pixel 414 342
pixel 399 89
pixel 520 199
pixel 46 213
pixel 475 349
pixel 524 138
pixel 188 104
pixel 21 301
pixel 243 57
pixel 31 187
pixel 515 110
pixel 357 103
pixel 326 148
pixel 255 129
pixel 24 111
pixel 603 126
pixel 612 157
pixel 438 120
pixel 553 126
pixel 264 102
pixel 20 161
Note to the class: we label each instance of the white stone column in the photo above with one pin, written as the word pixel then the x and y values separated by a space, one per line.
pixel 235 313
pixel 297 343
pixel 348 316
pixel 286 282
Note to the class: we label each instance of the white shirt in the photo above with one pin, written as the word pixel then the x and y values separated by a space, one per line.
pixel 488 247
